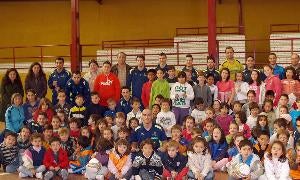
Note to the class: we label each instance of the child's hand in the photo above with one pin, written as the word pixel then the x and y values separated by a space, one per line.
pixel 57 168
pixel 51 168
pixel 173 174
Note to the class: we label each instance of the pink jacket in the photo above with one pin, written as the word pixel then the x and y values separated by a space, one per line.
pixel 273 83
pixel 291 86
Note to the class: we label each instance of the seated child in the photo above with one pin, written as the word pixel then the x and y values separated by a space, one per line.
pixel 174 162
pixel 92 123
pixel 176 136
pixel 9 157
pixel 55 125
pixel 111 108
pixel 37 127
pixel 155 110
pixel 62 105
pixel 296 133
pixel 79 111
pixel 132 124
pixel 47 134
pixel 198 113
pixel 84 131
pixel 147 164
pixel 56 160
pixel 123 133
pixel 245 156
pixel 166 118
pixel 196 132
pixel 223 120
pixel 199 160
pixel 33 158
pixel 74 125
pixel 120 120
pixel 262 146
pixel 261 125
pixel 23 139
pixel 136 112
pixel 109 120
pixel 252 119
pixel 240 119
pixel 94 107
pixel 208 128
pixel 283 136
pixel 63 118
pixel 67 143
pixel 189 125
pixel 233 130
pixel 234 150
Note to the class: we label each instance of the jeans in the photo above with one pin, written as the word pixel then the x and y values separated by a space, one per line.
pixel 26 172
pixel 13 166
pixel 209 176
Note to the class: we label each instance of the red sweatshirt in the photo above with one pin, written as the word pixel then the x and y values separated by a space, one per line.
pixel 273 83
pixel 63 161
pixel 107 86
pixel 146 90
pixel 49 113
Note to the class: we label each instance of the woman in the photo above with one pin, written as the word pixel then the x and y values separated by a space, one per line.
pixel 272 83
pixel 36 80
pixel 11 83
pixel 92 74
pixel 226 87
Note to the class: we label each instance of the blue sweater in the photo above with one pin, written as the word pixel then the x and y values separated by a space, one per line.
pixel 37 157
pixel 72 90
pixel 135 80
pixel 124 106
pixel 14 118
pixel 174 164
pixel 29 109
pixel 218 150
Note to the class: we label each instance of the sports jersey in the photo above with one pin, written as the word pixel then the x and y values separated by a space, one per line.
pixel 234 67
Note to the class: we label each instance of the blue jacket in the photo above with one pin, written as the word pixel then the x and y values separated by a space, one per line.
pixel 61 79
pixel 194 73
pixel 124 106
pixel 72 90
pixel 279 70
pixel 218 150
pixel 296 136
pixel 135 80
pixel 14 118
pixel 233 151
pixel 174 164
pixel 28 110
pixel 295 114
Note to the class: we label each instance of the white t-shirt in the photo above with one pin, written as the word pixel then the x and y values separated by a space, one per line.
pixel 166 120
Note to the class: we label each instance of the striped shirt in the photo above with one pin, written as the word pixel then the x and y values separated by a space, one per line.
pixel 8 154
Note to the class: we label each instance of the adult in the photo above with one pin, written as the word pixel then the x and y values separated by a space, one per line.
pixel 291 85
pixel 107 85
pixel 121 69
pixel 189 65
pixel 295 64
pixel 11 83
pixel 148 130
pixel 250 66
pixel 162 64
pixel 75 86
pixel 137 77
pixel 36 80
pixel 272 83
pixel 226 88
pixel 211 69
pixel 93 72
pixel 231 63
pixel 58 78
pixel 277 70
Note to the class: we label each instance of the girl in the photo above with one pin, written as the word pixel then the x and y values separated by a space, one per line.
pixel 92 123
pixel 23 139
pixel 101 125
pixel 218 147
pixel 63 118
pixel 36 79
pixel 91 75
pixel 268 109
pixel 44 106
pixel 10 84
pixel 240 119
pixel 181 95
pixel 209 125
pixel 120 120
pixel 233 130
pixel 155 110
pixel 257 86
pixel 30 105
pixel 119 163
pixel 239 84
pixel 224 119
pixel 133 123
pixel 234 150
pixel 189 124
pixel 213 88
pixel 217 107
pixel 199 160
pixel 108 135
pixel 14 115
pixel 109 120
pixel 226 87
pixel 84 131
pixel 275 163
pixel 55 125
pixel 290 85
pixel 261 125
pixel 272 83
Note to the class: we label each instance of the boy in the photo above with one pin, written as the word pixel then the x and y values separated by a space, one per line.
pixel 252 119
pixel 79 110
pixel 171 76
pixel 124 104
pixel 39 125
pixel 160 86
pixel 94 107
pixel 279 124
pixel 251 95
pixel 56 160
pixel 136 112
pixel 176 136
pixel 246 156
pixel 111 108
pixel 47 133
pixel 198 113
pixel 23 139
pixel 146 89
pixel 123 133
pixel 120 122
pixel 202 90
pixel 263 144
pixel 283 101
pixel 270 95
pixel 33 158
pixel 9 153
pixel 208 129
pixel 62 104
pixel 166 118
pixel 213 88
pixel 67 143
pixel 158 99
pixel 237 107
pixel 174 162
pixel 74 125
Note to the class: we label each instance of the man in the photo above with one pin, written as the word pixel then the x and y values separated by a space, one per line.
pixel 137 77
pixel 121 69
pixel 189 66
pixel 295 64
pixel 163 64
pixel 250 65
pixel 58 79
pixel 211 69
pixel 75 86
pixel 278 70
pixel 147 130
pixel 231 63
pixel 107 85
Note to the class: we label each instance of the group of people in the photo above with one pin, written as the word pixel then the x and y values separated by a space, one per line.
pixel 120 122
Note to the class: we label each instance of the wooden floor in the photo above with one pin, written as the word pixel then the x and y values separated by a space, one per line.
pixel 7 176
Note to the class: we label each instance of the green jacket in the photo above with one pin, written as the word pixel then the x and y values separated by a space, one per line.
pixel 159 87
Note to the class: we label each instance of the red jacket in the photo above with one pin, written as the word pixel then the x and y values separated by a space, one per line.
pixel 273 83
pixel 146 90
pixel 107 86
pixel 49 113
pixel 63 161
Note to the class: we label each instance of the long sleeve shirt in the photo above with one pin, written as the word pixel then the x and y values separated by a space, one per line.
pixel 199 162
pixel 180 90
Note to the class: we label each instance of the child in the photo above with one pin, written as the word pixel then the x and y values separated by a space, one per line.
pixel 233 130
pixel 146 89
pixel 158 99
pixel 39 125
pixel 55 125
pixel 213 88
pixel 56 160
pixel 171 76
pixel 226 87
pixel 79 111
pixel 74 125
pixel 199 160
pixel 147 164
pixel 275 163
pixel 217 107
pixel 218 148
pixel 174 163
pixel 47 134
pixel 67 143
pixel 166 118
pixel 237 107
pixel 252 119
pixel 84 131
pixel 23 139
pixel 198 113
pixel 159 86
pixel 132 124
pixel 239 85
pixel 234 150
pixel 9 153
pixel 279 124
pixel 109 120
pixel 208 129
pixel 223 120
pixel 123 133
pixel 119 162
pixel 295 168
pixel 31 105
pixel 295 113
pixel 176 136
pixel 120 122
pixel 108 135
pixel 196 132
pixel 155 110
pixel 261 125
pixel 240 119
pixel 81 156
pixel 296 133
pixel 136 112
pixel 92 122
pixel 189 125
pixel 44 106
pixel 245 156
pixel 124 105
pixel 33 158
pixel 263 144
pixel 202 90
pixel 94 107
pixel 62 104
pixel 14 115
pixel 283 101
pixel 290 85
pixel 270 95
pixel 209 113
pixel 63 118
pixel 251 95
pixel 268 108
pixel 283 136
pixel 111 108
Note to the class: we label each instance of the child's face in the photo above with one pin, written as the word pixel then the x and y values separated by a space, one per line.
pixel 91 122
pixel 160 74
pixel 64 137
pixel 158 101
pixel 181 80
pixel 172 151
pixel 283 138
pixel 134 124
pixel 268 107
pixel 44 107
pixel 30 97
pixel 171 73
pixel 147 150
pixel 48 133
pixel 41 120
pixel 251 97
pixel 61 116
pixel 200 107
pixel 61 97
pixel 120 121
pixel 198 147
pixel 237 119
pixel 79 101
pixel 283 101
pixel 55 146
pixel 209 126
pixel 270 97
pixel 101 126
pixel 95 99
pixel 216 105
pixel 246 151
pixel 155 110
pixel 289 74
pixel 277 128
pixel 107 135
pixel 283 111
pixel 262 122
pixel 55 123
pixel 136 106
pixel 109 120
pixel 151 76
pixel 238 140
pixel 10 141
pixel 122 135
pixel 237 108
pixel 112 105
pixel 254 112
pixel 176 133
pixel 263 140
pixel 125 93
pixel 189 123
pixel 201 79
pixel 239 76
pixel 17 100
pixel 298 125
pixel 224 110
pixel 276 150
pixel 85 133
pixel 37 142
pixel 122 149
pixel 210 80
pixel 233 129
pixel 25 133
pixel 165 107
pixel 209 114
pixel 73 126
pixel 216 134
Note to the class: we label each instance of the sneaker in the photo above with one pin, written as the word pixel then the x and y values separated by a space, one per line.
pixel 22 175
pixel 99 177
pixel 39 175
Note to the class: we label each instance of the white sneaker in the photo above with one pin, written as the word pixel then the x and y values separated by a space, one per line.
pixel 99 177
pixel 39 175
pixel 22 175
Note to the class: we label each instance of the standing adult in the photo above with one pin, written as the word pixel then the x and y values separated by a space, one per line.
pixel 121 69
pixel 295 64
pixel 189 65
pixel 58 78
pixel 137 77
pixel 36 80
pixel 93 72
pixel 107 85
pixel 277 70
pixel 231 63
pixel 272 83
pixel 162 64
pixel 10 84
pixel 211 69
